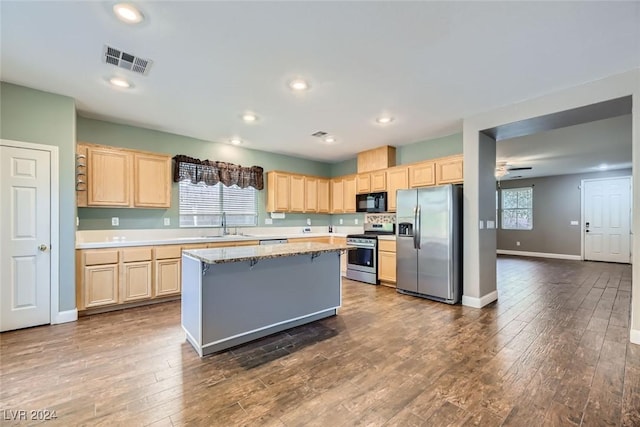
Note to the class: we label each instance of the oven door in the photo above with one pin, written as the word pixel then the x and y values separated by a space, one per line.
pixel 362 258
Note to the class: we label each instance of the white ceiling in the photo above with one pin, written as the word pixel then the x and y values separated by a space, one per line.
pixel 429 64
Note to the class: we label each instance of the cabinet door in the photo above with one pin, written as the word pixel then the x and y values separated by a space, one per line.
pixel 323 196
pixel 350 194
pixel 277 192
pixel 398 179
pixel 296 193
pixel 337 195
pixel 422 174
pixel 108 178
pixel 387 266
pixel 167 278
pixel 378 181
pixel 136 281
pixel 363 183
pixel 310 194
pixel 449 170
pixel 100 285
pixel 152 181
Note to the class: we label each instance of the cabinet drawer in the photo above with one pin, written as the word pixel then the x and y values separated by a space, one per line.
pixel 167 252
pixel 136 254
pixel 101 257
pixel 387 245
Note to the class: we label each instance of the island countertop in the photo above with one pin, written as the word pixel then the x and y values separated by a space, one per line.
pixel 248 253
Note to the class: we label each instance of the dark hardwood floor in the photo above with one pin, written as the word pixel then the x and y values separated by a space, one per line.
pixel 554 350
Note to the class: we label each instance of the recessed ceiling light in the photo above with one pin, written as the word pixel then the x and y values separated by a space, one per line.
pixel 120 82
pixel 329 139
pixel 235 141
pixel 128 13
pixel 249 117
pixel 603 167
pixel 299 85
pixel 384 120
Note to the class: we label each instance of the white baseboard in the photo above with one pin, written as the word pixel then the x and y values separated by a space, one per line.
pixel 65 317
pixel 539 254
pixel 480 302
pixel 634 336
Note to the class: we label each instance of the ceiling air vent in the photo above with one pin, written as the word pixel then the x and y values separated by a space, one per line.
pixel 319 134
pixel 125 60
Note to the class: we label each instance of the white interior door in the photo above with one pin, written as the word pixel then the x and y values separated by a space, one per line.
pixel 607 219
pixel 25 230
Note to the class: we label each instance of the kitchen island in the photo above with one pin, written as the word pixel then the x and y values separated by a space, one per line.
pixel 237 294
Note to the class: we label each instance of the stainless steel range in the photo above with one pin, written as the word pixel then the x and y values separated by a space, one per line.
pixel 362 264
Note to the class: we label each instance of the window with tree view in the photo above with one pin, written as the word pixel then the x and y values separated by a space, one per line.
pixel 517 208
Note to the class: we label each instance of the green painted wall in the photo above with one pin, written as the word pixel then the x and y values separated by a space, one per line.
pixel 430 149
pixel 346 167
pixel 101 132
pixel 30 115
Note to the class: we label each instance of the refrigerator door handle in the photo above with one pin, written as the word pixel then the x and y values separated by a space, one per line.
pixel 417 232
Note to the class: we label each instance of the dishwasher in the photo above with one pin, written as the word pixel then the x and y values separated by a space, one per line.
pixel 273 241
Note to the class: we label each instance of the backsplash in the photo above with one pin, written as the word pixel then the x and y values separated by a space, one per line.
pixel 380 218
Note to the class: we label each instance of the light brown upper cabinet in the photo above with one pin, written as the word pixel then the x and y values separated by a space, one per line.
pixel 371 182
pixel 377 158
pixel 296 195
pixel 349 193
pixel 422 174
pixel 337 195
pixel 310 194
pixel 290 192
pixel 449 170
pixel 323 195
pixel 278 192
pixel 117 177
pixel 108 177
pixel 151 180
pixel 397 179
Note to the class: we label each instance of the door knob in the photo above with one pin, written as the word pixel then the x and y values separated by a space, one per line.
pixel 43 248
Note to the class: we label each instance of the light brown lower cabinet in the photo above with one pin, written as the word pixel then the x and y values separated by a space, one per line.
pixel 387 262
pixel 167 277
pixel 101 285
pixel 136 281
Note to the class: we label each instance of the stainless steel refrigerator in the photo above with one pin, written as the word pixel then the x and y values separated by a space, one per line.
pixel 429 242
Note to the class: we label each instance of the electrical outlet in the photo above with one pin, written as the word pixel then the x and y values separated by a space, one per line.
pixel 167 221
pixel 356 221
pixel 115 221
pixel 517 243
pixel 308 221
pixel 77 221
pixel 341 221
pixel 268 221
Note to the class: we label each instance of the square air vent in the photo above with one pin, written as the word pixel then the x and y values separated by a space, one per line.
pixel 125 60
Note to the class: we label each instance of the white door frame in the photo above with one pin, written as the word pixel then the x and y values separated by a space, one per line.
pixel 630 178
pixel 55 221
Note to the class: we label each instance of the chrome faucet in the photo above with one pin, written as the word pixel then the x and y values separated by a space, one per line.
pixel 225 229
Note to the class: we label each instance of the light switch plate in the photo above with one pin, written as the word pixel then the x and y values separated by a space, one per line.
pixel 574 222
pixel 167 221
pixel 356 221
pixel 308 221
pixel 268 221
pixel 491 224
pixel 481 225
pixel 341 221
pixel 115 221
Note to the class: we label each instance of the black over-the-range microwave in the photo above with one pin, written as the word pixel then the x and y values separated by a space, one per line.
pixel 371 202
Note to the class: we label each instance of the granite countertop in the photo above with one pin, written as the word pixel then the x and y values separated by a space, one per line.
pixel 116 243
pixel 255 253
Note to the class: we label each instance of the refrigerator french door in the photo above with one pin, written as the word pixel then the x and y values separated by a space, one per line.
pixel 429 242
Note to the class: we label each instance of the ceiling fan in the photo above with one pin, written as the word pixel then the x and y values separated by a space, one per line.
pixel 503 168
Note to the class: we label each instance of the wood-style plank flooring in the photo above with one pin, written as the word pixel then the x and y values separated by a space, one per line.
pixel 554 350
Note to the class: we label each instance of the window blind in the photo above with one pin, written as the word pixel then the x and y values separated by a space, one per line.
pixel 202 205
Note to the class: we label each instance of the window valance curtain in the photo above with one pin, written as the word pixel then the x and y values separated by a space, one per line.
pixel 211 172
